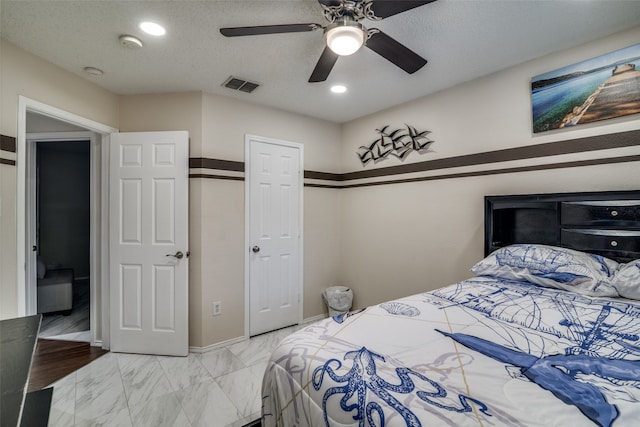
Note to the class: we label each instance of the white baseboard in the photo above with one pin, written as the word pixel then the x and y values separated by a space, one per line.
pixel 222 344
pixel 313 319
pixel 216 346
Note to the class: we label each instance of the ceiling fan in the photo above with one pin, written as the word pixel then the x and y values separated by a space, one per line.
pixel 345 34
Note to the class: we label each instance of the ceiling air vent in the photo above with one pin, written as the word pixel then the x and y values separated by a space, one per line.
pixel 239 84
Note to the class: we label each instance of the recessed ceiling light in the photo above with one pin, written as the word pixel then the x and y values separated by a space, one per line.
pixel 130 42
pixel 338 89
pixel 152 28
pixel 93 71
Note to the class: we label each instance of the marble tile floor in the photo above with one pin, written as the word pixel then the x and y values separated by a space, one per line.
pixel 219 388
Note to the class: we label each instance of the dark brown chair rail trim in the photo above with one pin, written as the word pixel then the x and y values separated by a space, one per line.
pixel 225 165
pixel 580 163
pixel 7 143
pixel 322 186
pixel 202 175
pixel 592 143
pixel 327 176
pixel 593 162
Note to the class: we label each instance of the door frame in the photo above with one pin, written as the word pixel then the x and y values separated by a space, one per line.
pixel 31 191
pixel 99 212
pixel 248 139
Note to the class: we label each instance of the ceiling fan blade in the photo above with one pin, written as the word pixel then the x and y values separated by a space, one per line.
pixel 395 52
pixel 324 66
pixel 268 29
pixel 385 8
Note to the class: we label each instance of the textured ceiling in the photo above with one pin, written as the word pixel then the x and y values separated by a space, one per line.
pixel 462 39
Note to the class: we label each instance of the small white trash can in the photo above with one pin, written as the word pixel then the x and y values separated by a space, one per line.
pixel 338 299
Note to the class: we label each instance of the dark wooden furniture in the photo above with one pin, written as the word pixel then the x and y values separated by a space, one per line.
pixel 18 338
pixel 605 223
pixel 37 406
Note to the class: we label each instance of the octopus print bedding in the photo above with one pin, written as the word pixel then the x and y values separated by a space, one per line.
pixel 487 351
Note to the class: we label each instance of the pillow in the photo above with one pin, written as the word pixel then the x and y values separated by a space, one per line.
pixel 41 268
pixel 552 267
pixel 627 280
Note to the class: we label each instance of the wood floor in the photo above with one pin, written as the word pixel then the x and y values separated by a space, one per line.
pixel 55 359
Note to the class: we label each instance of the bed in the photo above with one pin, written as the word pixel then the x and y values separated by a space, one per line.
pixel 547 333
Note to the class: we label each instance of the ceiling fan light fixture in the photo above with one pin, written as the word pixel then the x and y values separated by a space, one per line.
pixel 345 37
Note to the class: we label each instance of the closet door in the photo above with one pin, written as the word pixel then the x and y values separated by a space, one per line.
pixel 274 200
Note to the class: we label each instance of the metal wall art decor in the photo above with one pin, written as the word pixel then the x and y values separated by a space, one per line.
pixel 398 143
pixel 600 88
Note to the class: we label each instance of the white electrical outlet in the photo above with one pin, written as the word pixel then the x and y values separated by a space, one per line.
pixel 217 308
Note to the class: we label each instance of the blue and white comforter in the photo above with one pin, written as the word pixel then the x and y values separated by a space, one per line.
pixel 483 352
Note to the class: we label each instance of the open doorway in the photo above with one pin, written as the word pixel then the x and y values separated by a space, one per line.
pixel 63 238
pixel 168 215
pixel 42 124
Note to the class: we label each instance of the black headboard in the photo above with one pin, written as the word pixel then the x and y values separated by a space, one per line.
pixel 605 223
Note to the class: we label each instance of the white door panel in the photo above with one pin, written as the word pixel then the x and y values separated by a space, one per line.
pixel 275 224
pixel 149 213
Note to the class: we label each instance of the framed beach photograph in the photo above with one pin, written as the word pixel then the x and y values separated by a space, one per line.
pixel 601 88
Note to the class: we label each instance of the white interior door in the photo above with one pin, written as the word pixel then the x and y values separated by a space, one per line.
pixel 149 242
pixel 275 233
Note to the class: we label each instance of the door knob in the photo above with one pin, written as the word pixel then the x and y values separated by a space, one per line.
pixel 255 249
pixel 178 255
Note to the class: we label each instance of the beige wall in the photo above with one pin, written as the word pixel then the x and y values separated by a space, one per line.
pixel 24 74
pixel 405 238
pixel 8 295
pixel 164 112
pixel 28 75
pixel 220 225
pixel 226 121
